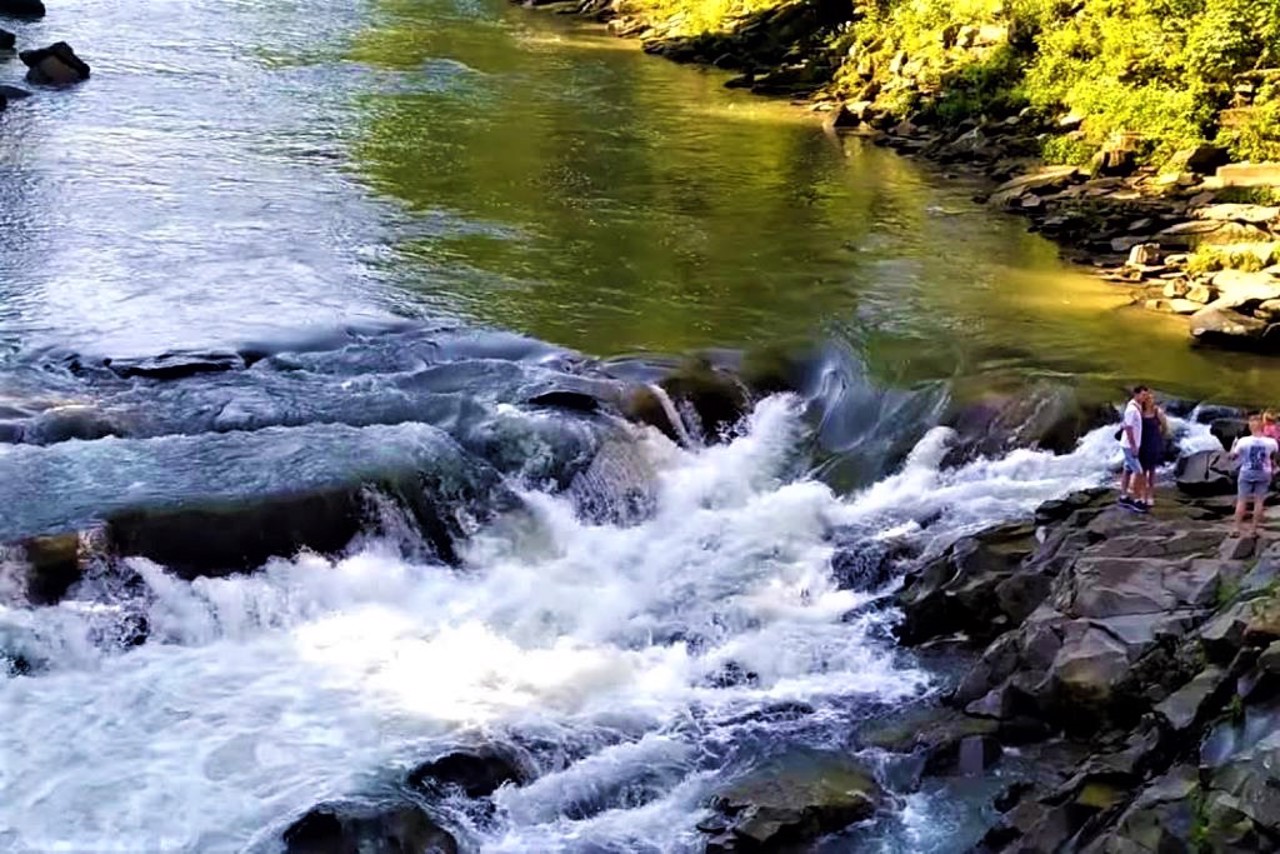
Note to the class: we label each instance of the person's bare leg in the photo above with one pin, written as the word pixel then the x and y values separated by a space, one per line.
pixel 1138 484
pixel 1124 481
pixel 1242 504
pixel 1259 509
pixel 1149 477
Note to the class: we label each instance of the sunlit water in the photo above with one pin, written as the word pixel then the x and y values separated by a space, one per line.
pixel 301 180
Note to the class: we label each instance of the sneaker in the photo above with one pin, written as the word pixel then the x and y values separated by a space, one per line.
pixel 1140 507
pixel 1124 501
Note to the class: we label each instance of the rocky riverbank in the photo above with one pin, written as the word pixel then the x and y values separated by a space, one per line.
pixel 1134 661
pixel 1195 235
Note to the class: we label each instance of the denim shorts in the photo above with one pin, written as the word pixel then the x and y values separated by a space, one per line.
pixel 1131 462
pixel 1252 487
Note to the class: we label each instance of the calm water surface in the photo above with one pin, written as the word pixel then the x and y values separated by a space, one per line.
pixel 237 171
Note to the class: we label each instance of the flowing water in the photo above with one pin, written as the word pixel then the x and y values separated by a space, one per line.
pixel 398 223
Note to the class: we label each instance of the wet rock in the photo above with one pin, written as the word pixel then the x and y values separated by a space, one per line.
pixel 970 756
pixel 957 591
pixel 53 567
pixel 7 40
pixel 22 8
pixel 175 366
pixel 62 423
pixel 215 538
pixel 1231 330
pixel 1227 431
pixel 351 829
pixel 13 93
pixel 708 403
pixel 792 800
pixel 56 65
pixel 479 772
pixel 1047 417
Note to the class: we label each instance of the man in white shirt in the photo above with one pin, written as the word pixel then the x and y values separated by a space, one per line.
pixel 1132 478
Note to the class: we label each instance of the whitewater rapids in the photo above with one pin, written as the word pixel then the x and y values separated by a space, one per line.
pixel 598 647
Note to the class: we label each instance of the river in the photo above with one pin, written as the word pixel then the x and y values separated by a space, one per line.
pixel 397 221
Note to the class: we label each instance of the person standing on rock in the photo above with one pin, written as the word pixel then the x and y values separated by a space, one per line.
pixel 1132 480
pixel 1256 453
pixel 1155 426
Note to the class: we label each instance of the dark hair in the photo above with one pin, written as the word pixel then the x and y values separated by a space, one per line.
pixel 1139 389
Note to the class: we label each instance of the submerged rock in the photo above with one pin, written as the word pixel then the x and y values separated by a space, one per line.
pixel 791 800
pixel 56 65
pixel 350 829
pixel 7 40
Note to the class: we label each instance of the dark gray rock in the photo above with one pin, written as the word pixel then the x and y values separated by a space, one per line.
pixel 7 40
pixel 55 65
pixel 22 8
pixel 215 538
pixel 1205 473
pixel 13 93
pixel 957 591
pixel 478 772
pixel 791 800
pixel 350 829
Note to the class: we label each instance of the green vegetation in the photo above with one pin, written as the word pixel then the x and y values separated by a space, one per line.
pixel 1170 73
pixel 1165 70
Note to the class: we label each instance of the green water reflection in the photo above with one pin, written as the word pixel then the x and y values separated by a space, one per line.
pixel 614 202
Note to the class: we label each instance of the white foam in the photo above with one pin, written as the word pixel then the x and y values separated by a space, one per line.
pixel 259 696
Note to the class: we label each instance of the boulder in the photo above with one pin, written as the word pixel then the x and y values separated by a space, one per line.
pixel 1249 175
pixel 1048 417
pixel 957 591
pixel 847 115
pixel 1203 159
pixel 1228 430
pixel 22 8
pixel 1049 179
pixel 1252 214
pixel 75 421
pixel 478 773
pixel 56 65
pixel 222 537
pixel 352 829
pixel 791 800
pixel 1205 473
pixel 7 40
pixel 1117 159
pixel 175 365
pixel 1237 288
pixel 716 400
pixel 53 566
pixel 1198 232
pixel 1144 255
pixel 1223 327
pixel 13 93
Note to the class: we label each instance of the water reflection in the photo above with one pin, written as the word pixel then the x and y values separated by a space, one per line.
pixel 621 203
pixel 257 170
